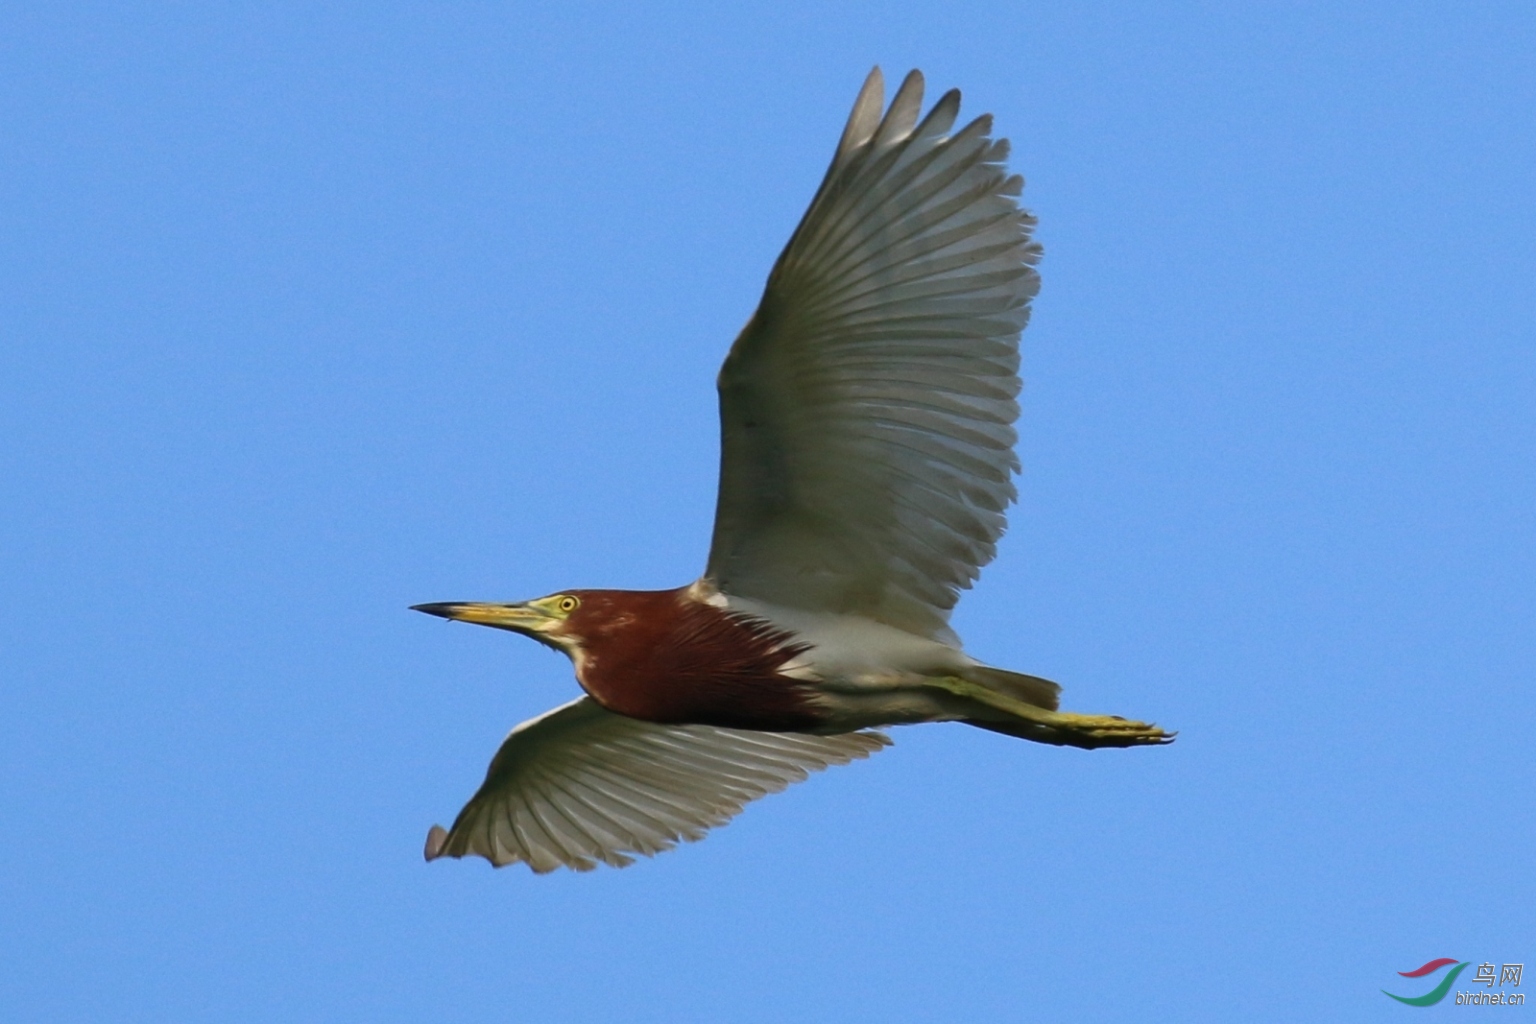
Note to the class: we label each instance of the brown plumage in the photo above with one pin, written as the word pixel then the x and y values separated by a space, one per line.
pixel 664 656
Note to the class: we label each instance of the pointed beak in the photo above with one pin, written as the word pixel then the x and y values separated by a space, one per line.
pixel 518 618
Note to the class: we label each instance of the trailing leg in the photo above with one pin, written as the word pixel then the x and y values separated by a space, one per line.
pixel 986 708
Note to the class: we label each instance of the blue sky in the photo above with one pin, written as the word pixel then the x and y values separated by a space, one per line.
pixel 311 313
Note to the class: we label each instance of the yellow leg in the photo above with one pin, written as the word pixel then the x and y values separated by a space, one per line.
pixel 1002 713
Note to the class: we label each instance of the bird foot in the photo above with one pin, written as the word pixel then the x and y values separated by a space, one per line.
pixel 1105 730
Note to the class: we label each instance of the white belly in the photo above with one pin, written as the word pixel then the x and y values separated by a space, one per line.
pixel 868 673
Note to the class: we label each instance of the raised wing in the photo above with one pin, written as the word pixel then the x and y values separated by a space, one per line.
pixel 579 785
pixel 867 408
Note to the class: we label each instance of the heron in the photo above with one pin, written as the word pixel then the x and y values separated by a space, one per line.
pixel 867 460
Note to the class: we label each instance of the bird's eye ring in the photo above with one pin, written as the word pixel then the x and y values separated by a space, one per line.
pixel 567 604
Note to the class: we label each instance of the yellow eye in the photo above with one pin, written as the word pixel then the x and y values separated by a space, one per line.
pixel 567 604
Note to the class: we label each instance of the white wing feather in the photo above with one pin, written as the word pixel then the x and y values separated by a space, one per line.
pixel 867 408
pixel 579 785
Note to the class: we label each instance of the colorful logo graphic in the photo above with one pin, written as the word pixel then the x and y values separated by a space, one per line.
pixel 1437 993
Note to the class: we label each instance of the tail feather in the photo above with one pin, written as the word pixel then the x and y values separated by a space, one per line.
pixel 1042 693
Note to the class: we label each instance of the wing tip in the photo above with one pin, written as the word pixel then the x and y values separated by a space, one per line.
pixel 437 838
pixel 865 118
pixel 901 116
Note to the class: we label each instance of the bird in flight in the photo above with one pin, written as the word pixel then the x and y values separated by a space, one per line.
pixel 866 420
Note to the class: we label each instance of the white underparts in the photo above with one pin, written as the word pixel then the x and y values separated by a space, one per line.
pixel 865 673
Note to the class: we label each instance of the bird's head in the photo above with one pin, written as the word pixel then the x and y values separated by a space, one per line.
pixel 552 621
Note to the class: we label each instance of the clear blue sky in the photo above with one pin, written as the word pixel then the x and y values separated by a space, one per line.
pixel 312 312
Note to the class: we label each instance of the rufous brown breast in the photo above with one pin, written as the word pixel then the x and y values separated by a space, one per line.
pixel 663 657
